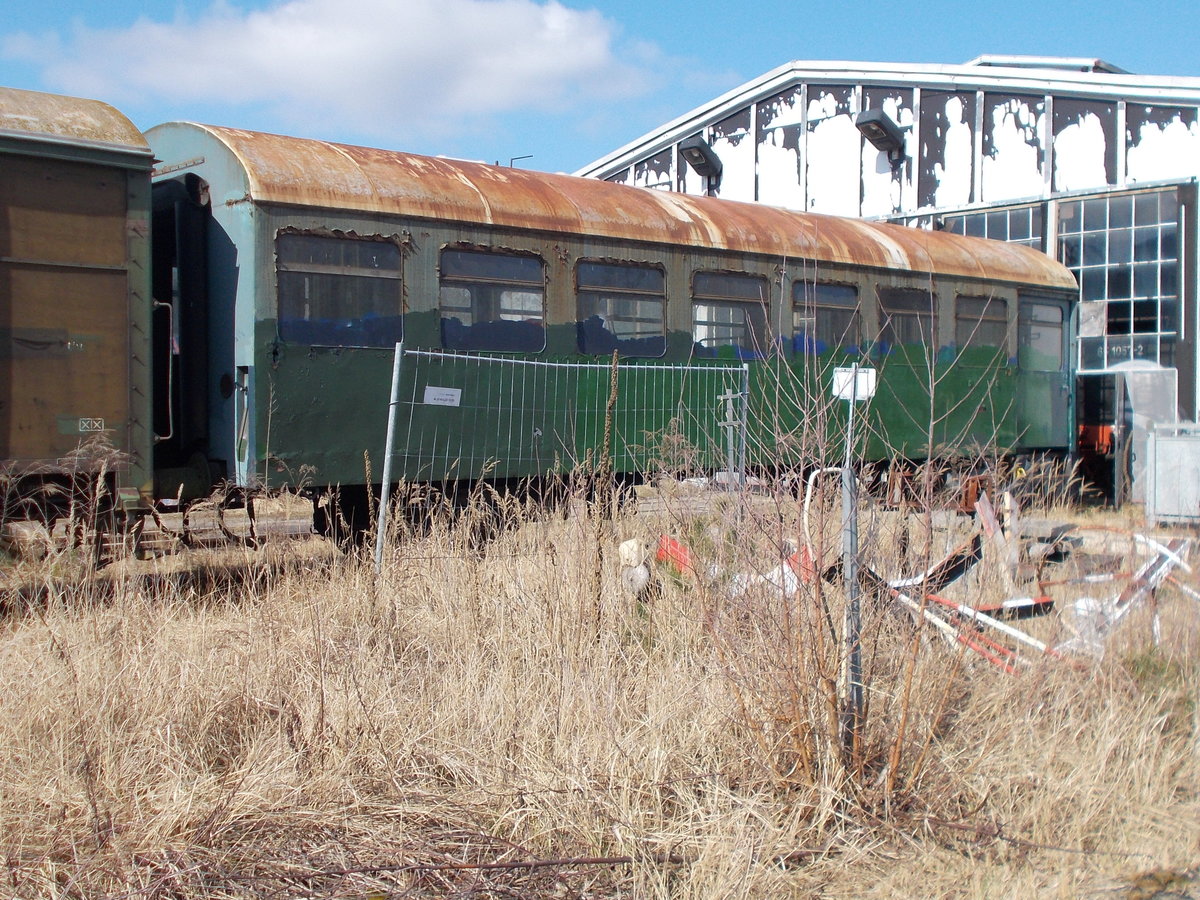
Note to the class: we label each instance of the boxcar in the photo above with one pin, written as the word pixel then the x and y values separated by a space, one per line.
pixel 318 258
pixel 75 350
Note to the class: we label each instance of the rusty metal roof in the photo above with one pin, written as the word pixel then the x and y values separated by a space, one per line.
pixel 53 118
pixel 314 173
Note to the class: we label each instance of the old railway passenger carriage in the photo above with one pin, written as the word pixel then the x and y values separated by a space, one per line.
pixel 320 257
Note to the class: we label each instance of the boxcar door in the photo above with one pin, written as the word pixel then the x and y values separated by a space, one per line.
pixel 1045 412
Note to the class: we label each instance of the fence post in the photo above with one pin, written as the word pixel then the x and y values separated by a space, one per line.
pixel 745 420
pixel 386 493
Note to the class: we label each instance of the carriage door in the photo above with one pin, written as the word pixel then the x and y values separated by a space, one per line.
pixel 180 335
pixel 1045 411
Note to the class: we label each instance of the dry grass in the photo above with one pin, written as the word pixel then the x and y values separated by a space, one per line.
pixel 329 733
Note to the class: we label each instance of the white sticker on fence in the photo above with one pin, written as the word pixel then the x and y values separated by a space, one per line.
pixel 442 396
pixel 844 387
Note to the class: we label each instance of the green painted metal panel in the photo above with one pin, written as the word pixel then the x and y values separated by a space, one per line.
pixel 466 416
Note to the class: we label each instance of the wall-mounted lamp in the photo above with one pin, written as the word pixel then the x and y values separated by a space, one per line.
pixel 884 134
pixel 700 157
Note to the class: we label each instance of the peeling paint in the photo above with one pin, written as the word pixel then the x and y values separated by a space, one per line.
pixel 654 172
pixel 1079 155
pixel 946 173
pixel 834 147
pixel 1014 147
pixel 733 144
pixel 780 136
pixel 1163 142
pixel 1085 150
pixel 883 184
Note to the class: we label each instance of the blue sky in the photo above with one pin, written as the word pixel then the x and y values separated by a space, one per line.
pixel 562 82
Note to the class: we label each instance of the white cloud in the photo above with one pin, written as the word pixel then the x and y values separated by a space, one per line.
pixel 368 67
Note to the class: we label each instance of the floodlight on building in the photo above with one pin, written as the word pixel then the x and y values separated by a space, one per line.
pixel 700 156
pixel 884 134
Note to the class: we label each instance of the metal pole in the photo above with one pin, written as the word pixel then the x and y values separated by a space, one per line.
pixel 852 715
pixel 386 494
pixel 1119 444
pixel 745 417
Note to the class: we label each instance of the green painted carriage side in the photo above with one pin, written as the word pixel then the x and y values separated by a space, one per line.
pixel 327 410
pixel 917 411
pixel 321 411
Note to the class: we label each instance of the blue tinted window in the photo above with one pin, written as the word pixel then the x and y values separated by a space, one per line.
pixel 620 307
pixel 492 301
pixel 338 292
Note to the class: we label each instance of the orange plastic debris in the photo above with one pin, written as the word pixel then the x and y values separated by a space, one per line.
pixel 674 554
pixel 802 564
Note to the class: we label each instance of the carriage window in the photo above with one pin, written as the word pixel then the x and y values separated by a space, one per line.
pixel 1041 336
pixel 338 292
pixel 729 315
pixel 492 301
pixel 620 307
pixel 825 317
pixel 906 317
pixel 981 322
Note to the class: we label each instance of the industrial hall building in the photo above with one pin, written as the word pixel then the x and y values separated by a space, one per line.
pixel 1076 157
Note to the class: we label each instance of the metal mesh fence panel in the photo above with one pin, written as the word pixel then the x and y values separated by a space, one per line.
pixel 461 416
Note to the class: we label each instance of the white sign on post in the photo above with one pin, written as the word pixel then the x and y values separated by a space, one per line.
pixel 854 383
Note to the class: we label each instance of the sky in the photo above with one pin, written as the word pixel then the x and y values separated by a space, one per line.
pixel 544 84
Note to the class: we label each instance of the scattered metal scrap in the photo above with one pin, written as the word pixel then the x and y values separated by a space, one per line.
pixel 1095 618
pixel 984 628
